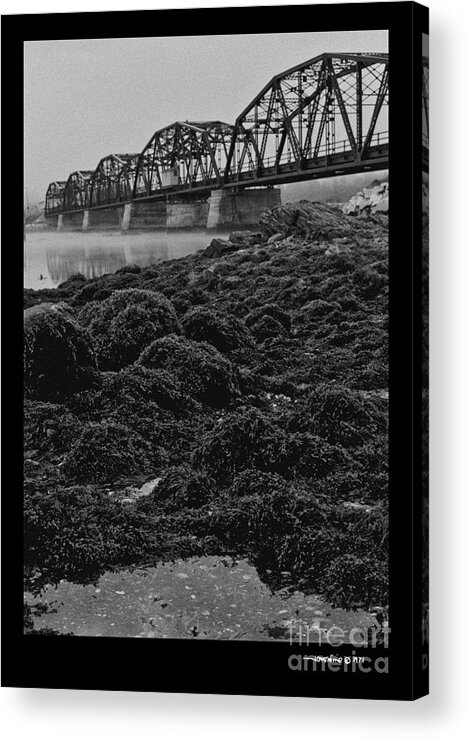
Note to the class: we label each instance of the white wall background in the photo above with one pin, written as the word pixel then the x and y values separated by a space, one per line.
pixel 40 714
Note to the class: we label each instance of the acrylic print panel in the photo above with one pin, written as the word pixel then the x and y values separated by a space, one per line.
pixel 206 399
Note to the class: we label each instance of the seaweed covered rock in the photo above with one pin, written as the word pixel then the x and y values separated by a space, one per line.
pixel 340 415
pixel 131 269
pixel 226 333
pixel 58 354
pixel 306 218
pixel 251 440
pixel 239 441
pixel 245 238
pixel 163 388
pixel 356 581
pixel 219 247
pixel 318 309
pixel 180 488
pixel 49 427
pixel 269 309
pixel 125 323
pixel 370 282
pixel 106 451
pixel 185 299
pixel 137 384
pixel 251 482
pixel 203 371
pixel 311 457
pixel 78 533
pixel 267 327
pixel 96 289
pixel 253 513
pixel 73 283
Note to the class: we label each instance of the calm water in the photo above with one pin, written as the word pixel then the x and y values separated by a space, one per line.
pixel 56 256
pixel 208 598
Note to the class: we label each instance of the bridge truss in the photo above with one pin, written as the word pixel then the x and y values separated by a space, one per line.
pixel 329 110
pixel 113 180
pixel 184 155
pixel 54 197
pixel 324 117
pixel 76 195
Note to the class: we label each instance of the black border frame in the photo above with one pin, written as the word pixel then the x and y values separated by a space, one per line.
pixel 248 668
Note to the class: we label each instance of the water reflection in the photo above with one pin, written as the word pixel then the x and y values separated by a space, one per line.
pixel 90 262
pixel 50 257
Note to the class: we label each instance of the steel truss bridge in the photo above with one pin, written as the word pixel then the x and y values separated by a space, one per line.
pixel 327 116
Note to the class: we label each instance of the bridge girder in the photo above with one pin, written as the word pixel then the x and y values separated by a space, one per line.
pixel 113 179
pixel 325 116
pixel 184 154
pixel 54 198
pixel 76 196
pixel 329 104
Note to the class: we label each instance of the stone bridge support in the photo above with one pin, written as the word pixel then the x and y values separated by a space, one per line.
pixel 187 214
pixel 71 221
pixel 229 208
pixel 101 219
pixel 144 216
pixel 223 210
pixel 52 221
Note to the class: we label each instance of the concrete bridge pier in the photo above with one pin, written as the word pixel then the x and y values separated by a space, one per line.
pixel 52 221
pixel 127 212
pixel 187 214
pixel 144 216
pixel 101 219
pixel 229 208
pixel 71 221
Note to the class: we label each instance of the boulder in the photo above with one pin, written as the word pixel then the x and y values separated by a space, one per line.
pixel 368 201
pixel 122 325
pixel 275 238
pixel 219 247
pixel 205 280
pixel 58 355
pixel 308 219
pixel 244 238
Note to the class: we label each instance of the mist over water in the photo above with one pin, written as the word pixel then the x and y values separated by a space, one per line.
pixel 57 256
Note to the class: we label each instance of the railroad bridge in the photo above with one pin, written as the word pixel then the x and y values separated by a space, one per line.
pixel 327 116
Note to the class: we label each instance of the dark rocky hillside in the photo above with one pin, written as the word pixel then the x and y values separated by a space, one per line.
pixel 249 382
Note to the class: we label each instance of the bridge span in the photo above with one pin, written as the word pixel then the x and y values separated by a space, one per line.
pixel 324 117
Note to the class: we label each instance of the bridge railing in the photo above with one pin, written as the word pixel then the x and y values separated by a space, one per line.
pixel 325 150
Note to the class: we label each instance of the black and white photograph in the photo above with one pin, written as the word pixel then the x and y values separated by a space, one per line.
pixel 223 510
pixel 206 337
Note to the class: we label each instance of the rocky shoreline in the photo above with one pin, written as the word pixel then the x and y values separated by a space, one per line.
pixel 229 402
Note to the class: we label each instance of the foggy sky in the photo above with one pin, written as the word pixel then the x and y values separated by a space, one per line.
pixel 85 99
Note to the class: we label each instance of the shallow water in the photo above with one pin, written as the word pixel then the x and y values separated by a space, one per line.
pixel 56 256
pixel 203 598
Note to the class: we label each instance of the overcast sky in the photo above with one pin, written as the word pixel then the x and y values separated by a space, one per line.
pixel 85 99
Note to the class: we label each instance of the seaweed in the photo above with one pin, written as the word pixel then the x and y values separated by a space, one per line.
pixel 225 332
pixel 266 420
pixel 58 355
pixel 79 532
pixel 239 441
pixel 106 451
pixel 180 488
pixel 205 374
pixel 49 429
pixel 122 325
pixel 339 415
